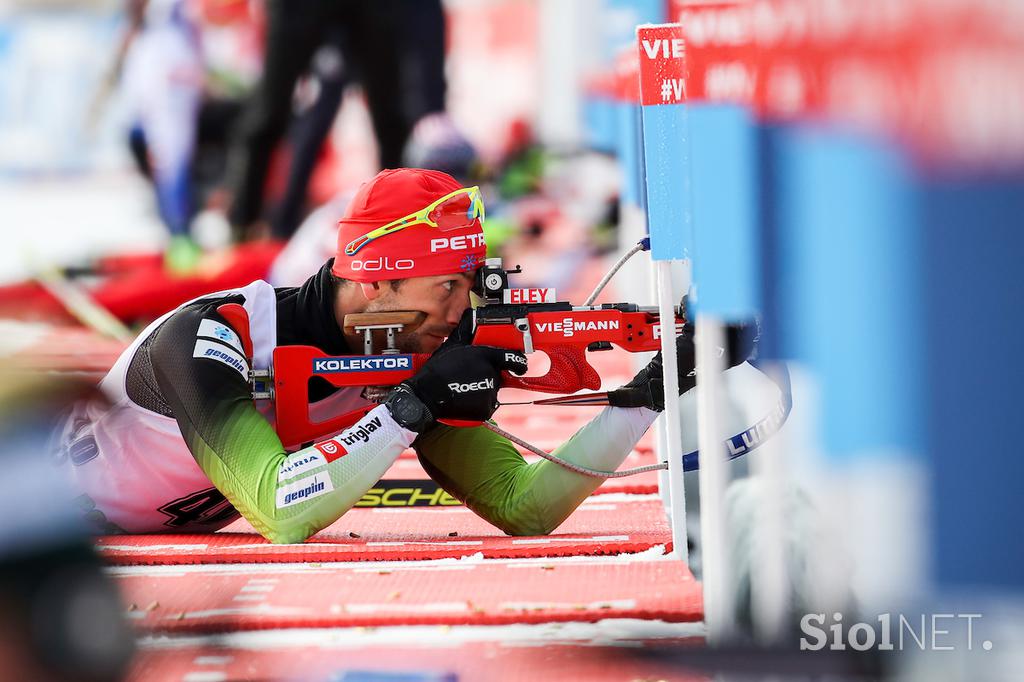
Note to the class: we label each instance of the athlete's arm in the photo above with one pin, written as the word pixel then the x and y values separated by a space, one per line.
pixel 486 472
pixel 286 497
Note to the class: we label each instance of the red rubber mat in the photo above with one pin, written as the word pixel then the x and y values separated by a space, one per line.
pixel 460 593
pixel 491 661
pixel 385 534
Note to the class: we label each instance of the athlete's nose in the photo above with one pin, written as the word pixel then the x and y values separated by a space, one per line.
pixel 455 311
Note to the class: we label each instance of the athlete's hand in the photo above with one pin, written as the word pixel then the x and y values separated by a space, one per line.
pixel 462 382
pixel 647 389
pixel 463 333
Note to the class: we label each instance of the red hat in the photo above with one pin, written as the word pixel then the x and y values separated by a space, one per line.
pixel 448 239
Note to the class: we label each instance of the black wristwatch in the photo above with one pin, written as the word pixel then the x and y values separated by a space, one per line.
pixel 407 410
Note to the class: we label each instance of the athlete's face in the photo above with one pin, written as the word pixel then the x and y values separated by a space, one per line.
pixel 443 298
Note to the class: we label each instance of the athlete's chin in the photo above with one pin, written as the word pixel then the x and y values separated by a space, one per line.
pixel 421 343
pixel 430 343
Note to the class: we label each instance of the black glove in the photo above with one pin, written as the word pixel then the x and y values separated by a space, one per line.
pixel 647 389
pixel 463 333
pixel 462 382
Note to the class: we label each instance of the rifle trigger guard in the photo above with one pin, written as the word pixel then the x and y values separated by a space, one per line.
pixel 570 372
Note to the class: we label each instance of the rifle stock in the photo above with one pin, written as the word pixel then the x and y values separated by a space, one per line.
pixel 562 331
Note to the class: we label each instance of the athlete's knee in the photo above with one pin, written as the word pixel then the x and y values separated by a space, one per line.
pixel 285 537
pixel 531 528
pixel 283 533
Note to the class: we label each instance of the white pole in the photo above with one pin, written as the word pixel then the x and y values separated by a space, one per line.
pixel 769 576
pixel 661 449
pixel 661 454
pixel 719 604
pixel 673 433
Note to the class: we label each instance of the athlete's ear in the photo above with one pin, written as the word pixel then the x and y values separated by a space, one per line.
pixel 371 290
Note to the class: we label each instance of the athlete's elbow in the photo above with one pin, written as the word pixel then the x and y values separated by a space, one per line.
pixel 526 519
pixel 286 538
pixel 282 534
pixel 529 528
pixel 526 531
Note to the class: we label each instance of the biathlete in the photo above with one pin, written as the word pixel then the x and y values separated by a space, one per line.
pixel 177 442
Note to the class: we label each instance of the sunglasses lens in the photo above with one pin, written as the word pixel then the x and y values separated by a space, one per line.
pixel 458 211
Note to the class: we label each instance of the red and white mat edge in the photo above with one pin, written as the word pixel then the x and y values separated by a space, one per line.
pixel 609 631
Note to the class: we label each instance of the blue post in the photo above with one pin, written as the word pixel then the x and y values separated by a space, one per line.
pixel 973 377
pixel 726 260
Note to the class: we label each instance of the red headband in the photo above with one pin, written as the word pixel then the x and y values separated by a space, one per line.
pixel 416 251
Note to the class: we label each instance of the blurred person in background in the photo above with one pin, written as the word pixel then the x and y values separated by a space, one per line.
pixel 318 99
pixel 60 616
pixel 184 72
pixel 163 82
pixel 393 48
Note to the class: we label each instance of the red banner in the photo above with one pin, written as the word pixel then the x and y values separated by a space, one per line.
pixel 662 64
pixel 719 49
pixel 939 77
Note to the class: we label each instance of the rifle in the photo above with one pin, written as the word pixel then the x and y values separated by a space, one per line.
pixel 527 320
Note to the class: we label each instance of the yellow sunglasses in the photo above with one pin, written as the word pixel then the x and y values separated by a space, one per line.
pixel 453 211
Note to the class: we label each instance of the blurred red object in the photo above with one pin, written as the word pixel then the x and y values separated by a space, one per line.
pixel 223 12
pixel 137 288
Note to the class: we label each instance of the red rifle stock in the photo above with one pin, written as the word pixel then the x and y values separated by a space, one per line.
pixel 563 332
